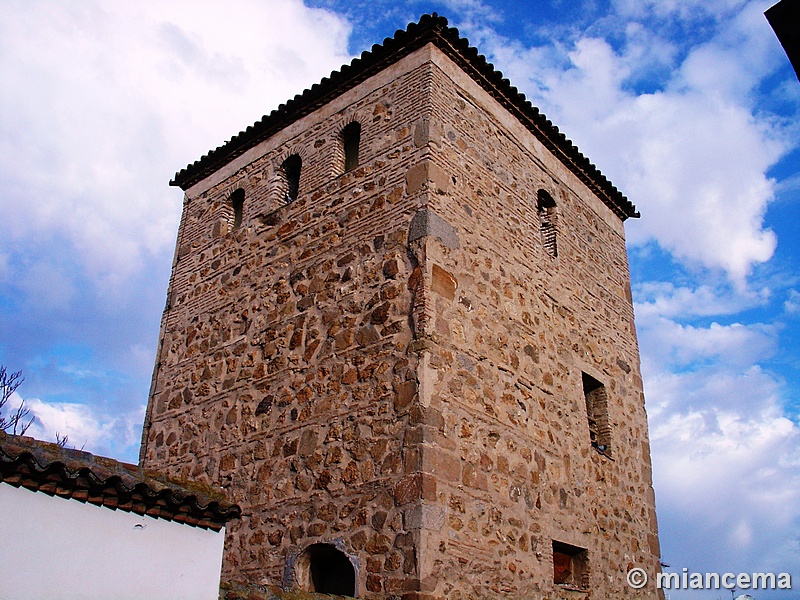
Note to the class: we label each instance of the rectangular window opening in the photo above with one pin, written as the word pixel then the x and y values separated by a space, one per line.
pixel 570 566
pixel 596 398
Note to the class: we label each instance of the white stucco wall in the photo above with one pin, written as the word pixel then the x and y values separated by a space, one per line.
pixel 63 549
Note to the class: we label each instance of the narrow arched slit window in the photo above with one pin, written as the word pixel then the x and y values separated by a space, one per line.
pixel 546 209
pixel 351 139
pixel 291 173
pixel 237 203
pixel 324 569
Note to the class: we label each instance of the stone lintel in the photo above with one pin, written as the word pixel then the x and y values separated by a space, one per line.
pixel 427 223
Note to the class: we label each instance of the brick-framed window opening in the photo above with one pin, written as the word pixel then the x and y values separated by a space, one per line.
pixel 350 140
pixel 570 566
pixel 237 204
pixel 290 168
pixel 596 399
pixel 546 209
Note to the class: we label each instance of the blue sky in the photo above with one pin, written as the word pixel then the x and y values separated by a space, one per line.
pixel 689 106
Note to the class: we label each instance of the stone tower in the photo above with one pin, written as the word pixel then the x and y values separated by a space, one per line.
pixel 399 332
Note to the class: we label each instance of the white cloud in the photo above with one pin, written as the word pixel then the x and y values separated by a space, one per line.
pixel 737 345
pixel 649 54
pixel 725 469
pixel 707 389
pixel 693 153
pixel 103 102
pixel 116 435
pixel 792 303
pixel 703 367
pixel 670 344
pixel 682 9
pixel 734 488
pixel 725 462
pixel 664 298
pixel 694 163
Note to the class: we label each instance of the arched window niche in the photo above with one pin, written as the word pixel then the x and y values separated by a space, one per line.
pixel 324 569
pixel 237 204
pixel 546 209
pixel 290 168
pixel 351 140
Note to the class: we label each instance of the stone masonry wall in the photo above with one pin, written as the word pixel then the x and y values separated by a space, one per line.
pixel 510 333
pixel 393 363
pixel 283 353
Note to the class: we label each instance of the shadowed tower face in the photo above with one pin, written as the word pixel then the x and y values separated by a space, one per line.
pixel 399 332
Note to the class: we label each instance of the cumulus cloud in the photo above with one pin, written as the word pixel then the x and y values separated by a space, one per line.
pixel 670 339
pixel 694 152
pixel 666 299
pixel 84 427
pixel 792 303
pixel 733 487
pixel 724 442
pixel 694 163
pixel 104 101
pixel 725 462
pixel 737 344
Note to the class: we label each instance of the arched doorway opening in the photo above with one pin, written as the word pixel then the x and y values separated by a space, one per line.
pixel 324 569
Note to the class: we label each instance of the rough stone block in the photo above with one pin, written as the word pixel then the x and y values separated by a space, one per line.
pixel 443 283
pixel 427 223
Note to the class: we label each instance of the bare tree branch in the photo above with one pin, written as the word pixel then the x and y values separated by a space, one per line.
pixel 16 421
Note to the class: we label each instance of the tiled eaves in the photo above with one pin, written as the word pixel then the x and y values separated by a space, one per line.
pixel 48 468
pixel 430 29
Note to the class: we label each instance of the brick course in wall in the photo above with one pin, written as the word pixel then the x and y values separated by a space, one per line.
pixel 393 363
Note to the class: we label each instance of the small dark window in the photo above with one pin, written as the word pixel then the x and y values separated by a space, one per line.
pixel 596 398
pixel 291 172
pixel 351 139
pixel 546 208
pixel 570 566
pixel 324 569
pixel 237 203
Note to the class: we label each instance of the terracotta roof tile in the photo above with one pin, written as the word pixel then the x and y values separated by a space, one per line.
pixel 49 468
